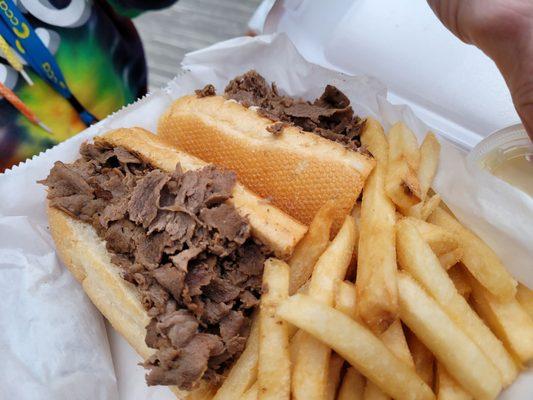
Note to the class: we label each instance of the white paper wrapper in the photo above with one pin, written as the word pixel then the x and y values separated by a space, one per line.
pixel 52 338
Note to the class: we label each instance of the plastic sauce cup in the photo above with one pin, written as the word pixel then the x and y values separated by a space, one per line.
pixel 508 155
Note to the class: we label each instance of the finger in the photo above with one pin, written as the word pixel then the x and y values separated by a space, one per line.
pixel 523 101
pixel 449 12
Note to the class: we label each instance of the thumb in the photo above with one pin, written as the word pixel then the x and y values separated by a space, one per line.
pixel 522 93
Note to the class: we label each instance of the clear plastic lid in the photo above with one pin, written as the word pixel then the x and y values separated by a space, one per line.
pixel 508 155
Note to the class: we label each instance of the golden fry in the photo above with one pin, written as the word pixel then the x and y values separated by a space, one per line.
pixel 357 345
pixel 274 370
pixel 372 392
pixel 429 161
pixel 478 258
pixel 451 346
pixel 416 257
pixel 243 374
pixel 334 376
pixel 423 209
pixel 311 364
pixel 439 239
pixel 394 339
pixel 252 393
pixel 401 184
pixel 404 144
pixel 448 260
pixel 423 359
pixel 313 244
pixel 296 340
pixel 524 295
pixel 374 140
pixel 429 206
pixel 448 388
pixel 353 386
pixel 345 298
pixel 356 214
pixel 377 292
pixel 459 278
pixel 507 319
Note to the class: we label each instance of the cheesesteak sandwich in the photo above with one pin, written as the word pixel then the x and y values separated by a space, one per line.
pixel 297 153
pixel 170 250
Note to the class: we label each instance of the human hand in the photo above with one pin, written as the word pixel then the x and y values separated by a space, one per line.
pixel 502 29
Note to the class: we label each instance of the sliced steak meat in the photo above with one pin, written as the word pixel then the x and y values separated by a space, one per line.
pixel 144 201
pixel 221 290
pixel 124 156
pixel 171 278
pixel 198 276
pixel 208 90
pixel 248 300
pixel 225 219
pixel 179 326
pixel 149 251
pixel 232 325
pixel 188 253
pixel 191 362
pixel 213 312
pixel 121 236
pixel 181 260
pixel 329 116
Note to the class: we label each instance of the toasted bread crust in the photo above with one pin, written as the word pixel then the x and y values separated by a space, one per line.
pixel 298 170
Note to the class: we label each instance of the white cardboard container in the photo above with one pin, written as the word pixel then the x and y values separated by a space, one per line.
pixel 48 322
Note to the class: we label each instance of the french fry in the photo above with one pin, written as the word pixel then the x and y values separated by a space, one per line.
pixel 423 359
pixel 416 257
pixel 252 393
pixel 311 364
pixel 448 388
pixel 345 298
pixel 352 269
pixel 429 206
pixel 295 345
pixel 401 184
pixel 460 279
pixel 357 345
pixel 448 260
pixel 372 392
pixel 313 244
pixel 429 161
pixel 345 301
pixel 439 239
pixel 274 370
pixel 394 339
pixel 334 376
pixel 374 140
pixel 414 211
pixel 424 209
pixel 450 345
pixel 353 385
pixel 524 295
pixel 403 144
pixel 244 372
pixel 507 319
pixel 478 258
pixel 377 292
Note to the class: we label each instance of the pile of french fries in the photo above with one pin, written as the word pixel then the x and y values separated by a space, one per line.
pixel 431 314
